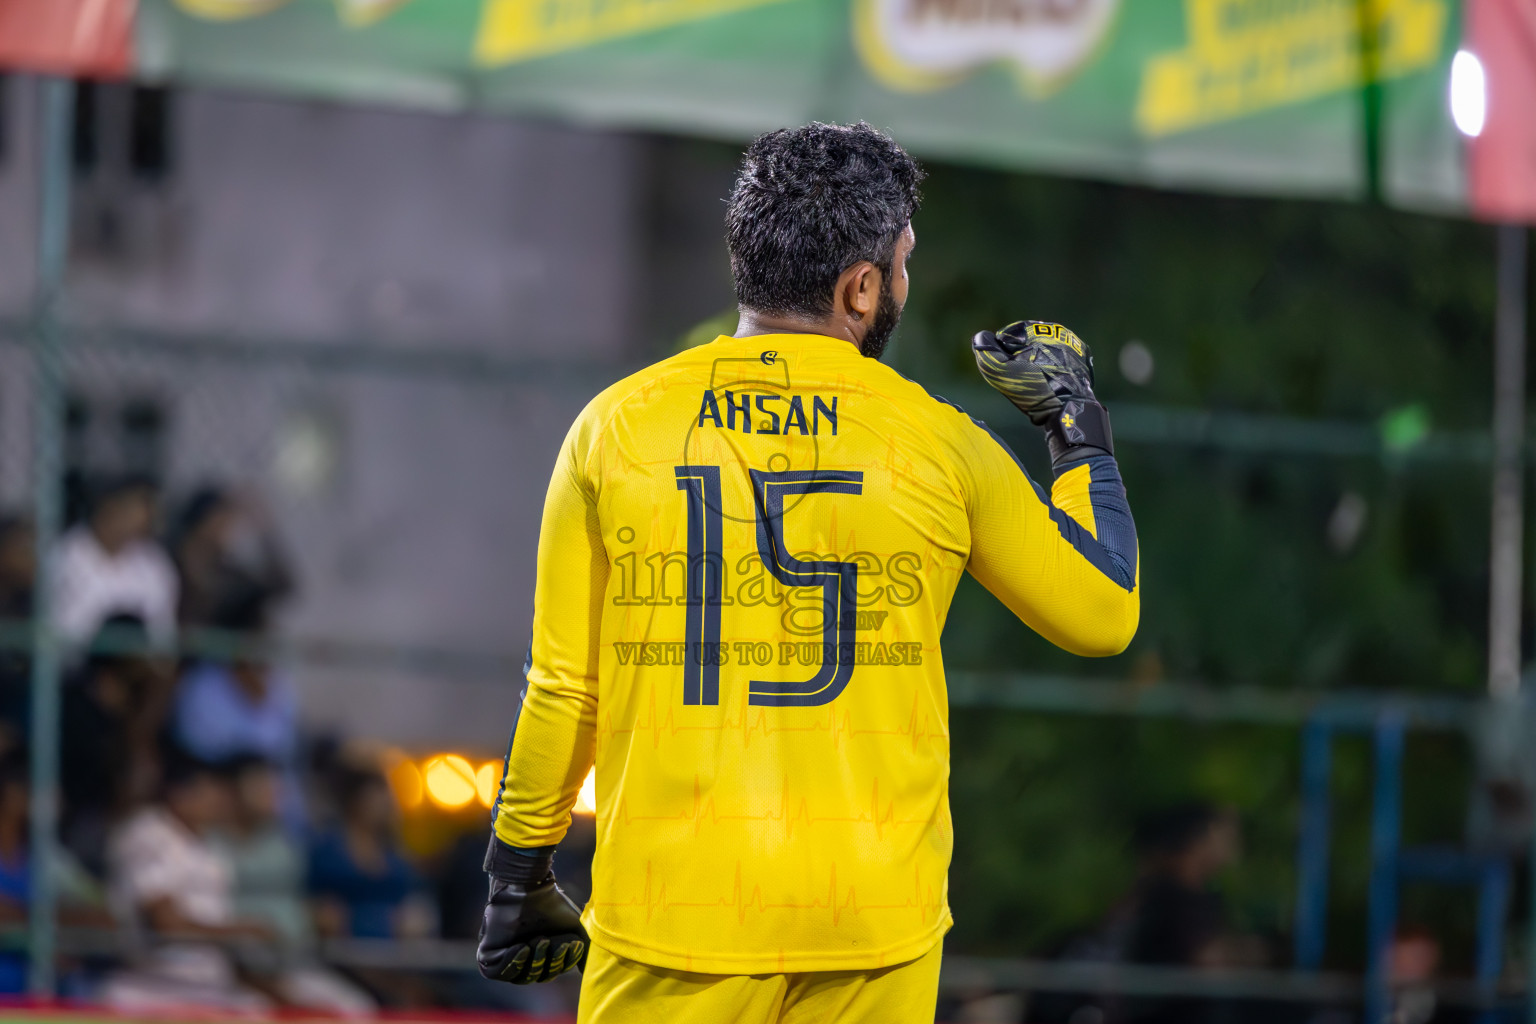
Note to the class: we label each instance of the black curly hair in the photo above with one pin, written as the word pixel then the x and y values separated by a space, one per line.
pixel 809 203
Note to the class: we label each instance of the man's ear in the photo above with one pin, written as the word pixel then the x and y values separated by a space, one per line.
pixel 861 291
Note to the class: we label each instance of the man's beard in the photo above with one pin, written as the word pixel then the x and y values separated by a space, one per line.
pixel 887 316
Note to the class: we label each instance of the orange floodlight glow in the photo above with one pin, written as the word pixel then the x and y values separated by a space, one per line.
pixel 586 800
pixel 487 782
pixel 450 781
pixel 405 781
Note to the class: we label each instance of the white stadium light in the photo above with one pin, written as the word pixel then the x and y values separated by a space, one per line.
pixel 1469 93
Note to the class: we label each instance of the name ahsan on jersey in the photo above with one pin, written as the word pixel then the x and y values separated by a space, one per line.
pixel 776 414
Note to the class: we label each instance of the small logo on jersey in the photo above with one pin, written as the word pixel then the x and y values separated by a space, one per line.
pixel 750 393
pixel 738 372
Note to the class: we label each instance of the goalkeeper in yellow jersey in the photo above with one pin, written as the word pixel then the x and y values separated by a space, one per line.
pixel 747 554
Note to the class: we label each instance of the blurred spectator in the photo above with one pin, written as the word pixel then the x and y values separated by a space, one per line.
pixel 113 709
pixel 18 566
pixel 461 880
pixel 80 899
pixel 15 865
pixel 363 886
pixel 1173 916
pixel 1177 915
pixel 268 869
pixel 167 880
pixel 243 707
pixel 461 890
pixel 990 1008
pixel 461 886
pixel 1413 963
pixel 110 564
pixel 205 544
pixel 267 861
pixel 18 573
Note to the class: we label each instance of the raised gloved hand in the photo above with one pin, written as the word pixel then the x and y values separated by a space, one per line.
pixel 1047 372
pixel 531 932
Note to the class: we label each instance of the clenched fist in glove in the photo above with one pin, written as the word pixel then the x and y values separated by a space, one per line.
pixel 1047 372
pixel 531 931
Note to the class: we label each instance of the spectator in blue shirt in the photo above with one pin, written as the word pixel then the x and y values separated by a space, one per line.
pixel 15 867
pixel 81 901
pixel 362 885
pixel 243 707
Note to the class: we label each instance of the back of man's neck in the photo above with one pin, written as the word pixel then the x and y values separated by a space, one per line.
pixel 753 323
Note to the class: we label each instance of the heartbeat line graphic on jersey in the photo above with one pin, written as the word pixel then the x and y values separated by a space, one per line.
pixel 742 898
pixel 764 723
pixel 792 813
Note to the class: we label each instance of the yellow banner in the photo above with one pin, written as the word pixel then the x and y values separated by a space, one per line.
pixel 515 30
pixel 1245 56
pixel 356 13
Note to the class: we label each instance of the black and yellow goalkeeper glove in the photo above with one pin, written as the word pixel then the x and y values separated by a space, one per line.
pixel 1047 372
pixel 531 931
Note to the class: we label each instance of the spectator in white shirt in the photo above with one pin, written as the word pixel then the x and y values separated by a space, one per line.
pixel 112 565
pixel 174 880
pixel 169 882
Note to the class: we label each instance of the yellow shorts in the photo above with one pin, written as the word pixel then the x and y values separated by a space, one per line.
pixel 619 991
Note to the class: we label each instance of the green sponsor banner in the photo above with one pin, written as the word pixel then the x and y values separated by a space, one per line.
pixel 1319 97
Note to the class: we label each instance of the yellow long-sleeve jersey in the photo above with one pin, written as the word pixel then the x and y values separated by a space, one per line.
pixel 747 554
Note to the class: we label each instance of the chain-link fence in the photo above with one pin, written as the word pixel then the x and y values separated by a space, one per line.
pixel 260 586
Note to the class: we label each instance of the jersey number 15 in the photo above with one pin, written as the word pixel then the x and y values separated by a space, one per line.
pixel 839 583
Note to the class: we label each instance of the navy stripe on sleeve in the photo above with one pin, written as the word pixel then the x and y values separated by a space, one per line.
pixel 1113 553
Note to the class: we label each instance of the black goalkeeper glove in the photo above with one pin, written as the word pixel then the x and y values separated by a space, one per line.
pixel 1047 372
pixel 531 931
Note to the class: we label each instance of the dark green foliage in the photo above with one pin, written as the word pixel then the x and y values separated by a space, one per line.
pixel 1044 809
pixel 1282 307
pixel 1296 308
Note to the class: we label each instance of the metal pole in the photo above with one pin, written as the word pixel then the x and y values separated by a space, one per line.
pixel 1530 910
pixel 58 97
pixel 1366 24
pixel 1505 558
pixel 1509 333
pixel 1390 737
pixel 1312 849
